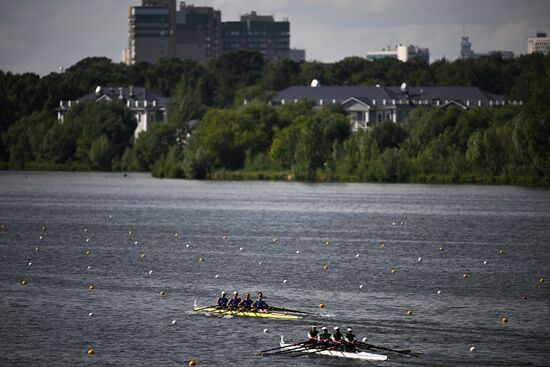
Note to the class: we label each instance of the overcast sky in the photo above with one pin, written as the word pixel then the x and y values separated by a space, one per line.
pixel 42 35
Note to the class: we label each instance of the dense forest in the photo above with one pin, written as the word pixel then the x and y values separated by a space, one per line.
pixel 260 141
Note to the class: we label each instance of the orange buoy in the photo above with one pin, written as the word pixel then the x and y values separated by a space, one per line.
pixel 409 312
pixel 541 280
pixel 24 281
pixel 322 305
pixel 501 252
pixel 393 270
pixel 504 320
pixel 192 362
pixel 325 267
pixel 90 351
pixel 91 287
pixel 162 293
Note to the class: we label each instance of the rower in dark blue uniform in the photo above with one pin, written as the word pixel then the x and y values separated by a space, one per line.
pixel 222 301
pixel 246 303
pixel 260 305
pixel 234 301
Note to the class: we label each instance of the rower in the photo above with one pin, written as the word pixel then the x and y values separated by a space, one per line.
pixel 313 334
pixel 350 340
pixel 259 304
pixel 324 336
pixel 337 337
pixel 246 303
pixel 222 301
pixel 234 301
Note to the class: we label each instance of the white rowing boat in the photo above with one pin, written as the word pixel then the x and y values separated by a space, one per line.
pixel 365 356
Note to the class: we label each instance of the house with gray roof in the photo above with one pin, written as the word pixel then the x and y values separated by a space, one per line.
pixel 147 107
pixel 370 105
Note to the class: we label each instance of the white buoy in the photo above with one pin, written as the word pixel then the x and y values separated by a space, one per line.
pixel 297 251
pixel 91 314
pixel 174 322
pixel 217 276
pixel 419 259
pixel 357 255
pixel 30 263
pixel 110 216
pixel 87 240
pixel 89 267
pixel 485 262
pixel 241 248
pixel 40 237
pixel 284 281
pixel 360 286
pixel 135 243
pixel 438 292
pixel 472 348
pixel 266 331
pixel 150 272
pixel 187 245
pixel 364 340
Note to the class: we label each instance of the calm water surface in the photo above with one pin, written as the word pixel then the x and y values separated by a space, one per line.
pixel 116 218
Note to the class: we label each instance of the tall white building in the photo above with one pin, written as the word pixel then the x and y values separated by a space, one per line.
pixel 539 43
pixel 401 53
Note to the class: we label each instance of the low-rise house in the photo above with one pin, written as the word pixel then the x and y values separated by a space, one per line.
pixel 147 107
pixel 369 105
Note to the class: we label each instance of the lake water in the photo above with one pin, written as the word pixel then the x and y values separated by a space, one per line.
pixel 97 225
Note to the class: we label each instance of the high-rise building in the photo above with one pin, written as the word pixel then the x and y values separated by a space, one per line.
pixel 198 33
pixel 466 51
pixel 539 43
pixel 150 35
pixel 401 53
pixel 259 33
pixel 157 29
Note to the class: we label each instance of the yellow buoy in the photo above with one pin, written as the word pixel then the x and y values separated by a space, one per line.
pixel 91 287
pixel 393 270
pixel 275 240
pixel 201 259
pixel 24 281
pixel 466 275
pixel 162 293
pixel 192 362
pixel 141 255
pixel 325 267
pixel 90 351
pixel 37 249
pixel 261 263
pixel 382 244
pixel 327 243
pixel 440 248
pixel 409 312
pixel 130 232
pixel 44 228
pixel 224 237
pixel 541 280
pixel 322 305
pixel 85 230
pixel 504 320
pixel 88 252
pixel 501 252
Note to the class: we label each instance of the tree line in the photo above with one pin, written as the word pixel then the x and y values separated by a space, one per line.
pixel 260 141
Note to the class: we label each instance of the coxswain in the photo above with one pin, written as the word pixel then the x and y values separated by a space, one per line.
pixel 324 336
pixel 259 304
pixel 222 301
pixel 313 334
pixel 350 340
pixel 246 303
pixel 234 301
pixel 337 337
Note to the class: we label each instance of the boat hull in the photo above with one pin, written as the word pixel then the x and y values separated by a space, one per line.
pixel 270 315
pixel 365 356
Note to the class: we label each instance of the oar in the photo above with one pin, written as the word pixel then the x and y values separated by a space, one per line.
pixel 292 349
pixel 319 349
pixel 296 345
pixel 371 346
pixel 288 310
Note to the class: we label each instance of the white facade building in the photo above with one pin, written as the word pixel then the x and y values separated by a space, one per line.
pixel 539 43
pixel 401 52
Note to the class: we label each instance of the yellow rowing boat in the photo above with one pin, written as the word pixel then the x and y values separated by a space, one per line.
pixel 269 315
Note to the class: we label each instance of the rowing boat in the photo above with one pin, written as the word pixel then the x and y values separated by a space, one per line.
pixel 365 356
pixel 225 312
